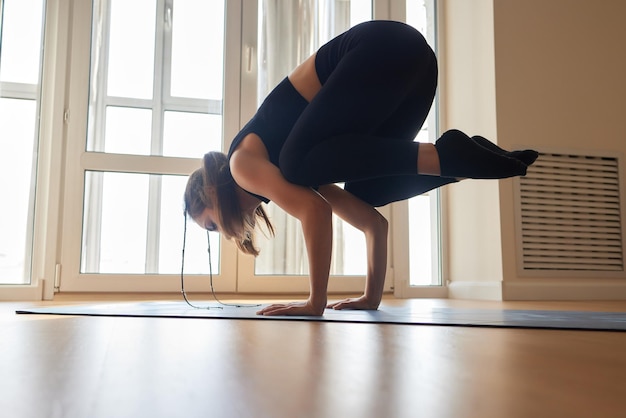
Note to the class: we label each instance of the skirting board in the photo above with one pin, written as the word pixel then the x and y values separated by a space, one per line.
pixel 564 289
pixel 489 290
pixel 539 289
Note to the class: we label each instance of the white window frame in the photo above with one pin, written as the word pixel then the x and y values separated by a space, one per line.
pixel 62 162
pixel 33 289
pixel 79 161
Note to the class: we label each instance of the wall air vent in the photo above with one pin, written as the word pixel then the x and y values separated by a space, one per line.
pixel 569 215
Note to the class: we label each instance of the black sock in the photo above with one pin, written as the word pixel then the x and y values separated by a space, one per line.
pixel 459 156
pixel 527 156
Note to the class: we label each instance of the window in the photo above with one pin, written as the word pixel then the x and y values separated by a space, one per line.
pixel 156 91
pixel 155 101
pixel 154 106
pixel 21 37
pixel 416 254
pixel 134 93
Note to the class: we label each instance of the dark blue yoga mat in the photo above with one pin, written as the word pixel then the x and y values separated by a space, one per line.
pixel 407 315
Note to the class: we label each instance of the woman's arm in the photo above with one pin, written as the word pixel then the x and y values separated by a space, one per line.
pixel 256 174
pixel 375 227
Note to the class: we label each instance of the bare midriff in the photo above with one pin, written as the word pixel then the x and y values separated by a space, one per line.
pixel 304 79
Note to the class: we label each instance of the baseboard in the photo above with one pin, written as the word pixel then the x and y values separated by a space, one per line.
pixel 491 290
pixel 564 289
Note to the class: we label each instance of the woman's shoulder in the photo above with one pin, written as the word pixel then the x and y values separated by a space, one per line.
pixel 234 145
pixel 251 144
pixel 248 159
pixel 244 163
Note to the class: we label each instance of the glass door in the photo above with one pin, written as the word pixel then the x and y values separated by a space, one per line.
pixel 279 36
pixel 155 84
pixel 144 107
pixel 418 264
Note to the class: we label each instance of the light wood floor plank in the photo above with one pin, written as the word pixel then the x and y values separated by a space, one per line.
pixel 145 367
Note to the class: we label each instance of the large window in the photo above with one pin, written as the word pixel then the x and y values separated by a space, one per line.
pixel 146 102
pixel 134 93
pixel 21 32
pixel 283 259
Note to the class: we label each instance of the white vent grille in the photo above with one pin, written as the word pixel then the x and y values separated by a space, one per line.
pixel 570 214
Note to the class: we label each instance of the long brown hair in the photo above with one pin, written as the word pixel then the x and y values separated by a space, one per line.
pixel 213 187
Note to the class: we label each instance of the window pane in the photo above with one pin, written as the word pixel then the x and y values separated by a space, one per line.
pixel 171 234
pixel 131 48
pixel 349 252
pixel 131 110
pixel 417 16
pixel 21 41
pixel 128 130
pixel 133 223
pixel 191 134
pixel 360 11
pixel 121 228
pixel 18 120
pixel 421 245
pixel 197 49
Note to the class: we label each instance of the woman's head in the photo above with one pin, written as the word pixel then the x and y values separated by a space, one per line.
pixel 212 187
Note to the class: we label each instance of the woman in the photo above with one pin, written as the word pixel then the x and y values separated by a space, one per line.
pixel 349 113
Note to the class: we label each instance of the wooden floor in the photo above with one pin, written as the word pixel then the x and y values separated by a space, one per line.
pixel 144 367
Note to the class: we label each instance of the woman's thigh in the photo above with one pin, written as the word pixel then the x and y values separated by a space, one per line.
pixel 374 91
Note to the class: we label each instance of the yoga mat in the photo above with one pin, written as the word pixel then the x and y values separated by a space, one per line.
pixel 407 315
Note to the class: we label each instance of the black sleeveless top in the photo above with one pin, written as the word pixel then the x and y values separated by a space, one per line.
pixel 273 121
pixel 283 106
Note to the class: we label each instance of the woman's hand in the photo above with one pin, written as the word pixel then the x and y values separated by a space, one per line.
pixel 361 303
pixel 293 308
pixel 375 227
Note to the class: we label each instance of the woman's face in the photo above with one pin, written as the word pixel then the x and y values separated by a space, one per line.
pixel 208 220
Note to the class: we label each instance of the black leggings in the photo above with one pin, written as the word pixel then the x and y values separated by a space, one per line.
pixel 360 127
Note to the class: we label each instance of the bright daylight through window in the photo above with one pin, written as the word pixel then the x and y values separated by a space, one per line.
pixel 286 253
pixel 154 95
pixel 21 30
pixel 151 104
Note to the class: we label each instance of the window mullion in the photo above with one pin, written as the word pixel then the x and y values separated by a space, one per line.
pixel 207 106
pixel 19 91
pixel 129 144
pixel 160 79
pixel 153 230
pixel 1 21
pixel 100 42
pixel 160 92
pixel 92 210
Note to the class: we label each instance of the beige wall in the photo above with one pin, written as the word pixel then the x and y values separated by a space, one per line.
pixel 560 73
pixel 468 102
pixel 543 73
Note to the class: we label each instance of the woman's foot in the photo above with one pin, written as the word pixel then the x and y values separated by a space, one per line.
pixel 525 156
pixel 461 157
